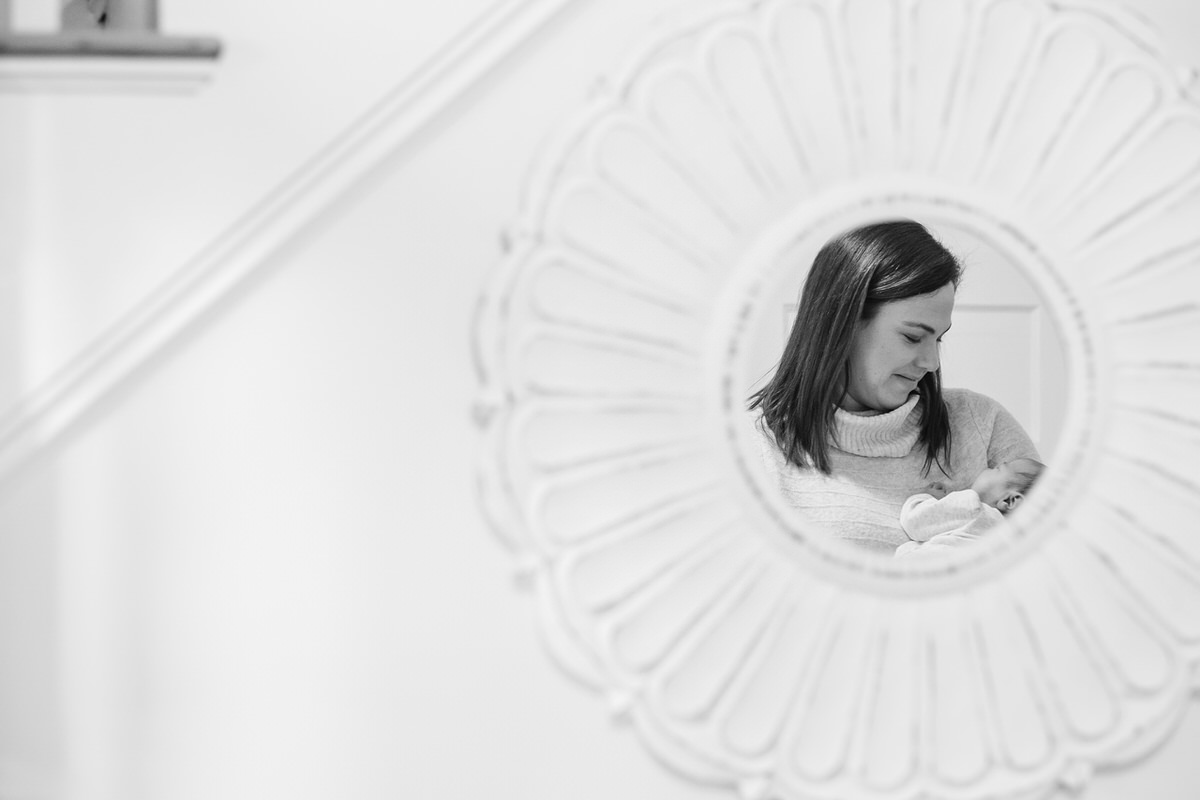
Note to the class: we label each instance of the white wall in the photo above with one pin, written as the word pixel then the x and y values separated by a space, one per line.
pixel 257 569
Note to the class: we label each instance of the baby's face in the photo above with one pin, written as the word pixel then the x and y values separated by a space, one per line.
pixel 995 482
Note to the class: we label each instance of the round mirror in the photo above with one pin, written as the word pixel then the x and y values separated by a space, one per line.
pixel 1009 340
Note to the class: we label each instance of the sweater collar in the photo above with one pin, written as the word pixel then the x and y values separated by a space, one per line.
pixel 891 435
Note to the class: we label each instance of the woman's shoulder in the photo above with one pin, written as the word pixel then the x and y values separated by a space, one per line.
pixel 768 446
pixel 967 399
pixel 976 415
pixel 966 404
pixel 972 411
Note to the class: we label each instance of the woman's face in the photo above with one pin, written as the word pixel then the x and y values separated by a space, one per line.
pixel 893 351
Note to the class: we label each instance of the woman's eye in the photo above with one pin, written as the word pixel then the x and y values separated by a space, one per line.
pixel 911 339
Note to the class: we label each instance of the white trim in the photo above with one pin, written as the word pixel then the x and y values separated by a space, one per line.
pixel 107 75
pixel 229 259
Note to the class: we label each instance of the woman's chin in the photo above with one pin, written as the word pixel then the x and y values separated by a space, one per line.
pixel 898 399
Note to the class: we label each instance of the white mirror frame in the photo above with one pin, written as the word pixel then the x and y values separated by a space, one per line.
pixel 747 648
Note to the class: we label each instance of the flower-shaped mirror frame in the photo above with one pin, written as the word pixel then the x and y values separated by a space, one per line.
pixel 748 647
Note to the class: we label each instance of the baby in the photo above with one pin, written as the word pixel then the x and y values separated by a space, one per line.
pixel 935 520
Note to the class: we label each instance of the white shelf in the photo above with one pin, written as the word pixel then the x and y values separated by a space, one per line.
pixel 106 62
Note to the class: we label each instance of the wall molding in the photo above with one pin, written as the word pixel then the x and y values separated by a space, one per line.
pixel 104 74
pixel 228 260
pixel 618 340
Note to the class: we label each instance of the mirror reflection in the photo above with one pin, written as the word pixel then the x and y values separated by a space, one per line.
pixel 912 391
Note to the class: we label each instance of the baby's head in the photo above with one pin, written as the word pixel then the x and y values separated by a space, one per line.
pixel 1003 486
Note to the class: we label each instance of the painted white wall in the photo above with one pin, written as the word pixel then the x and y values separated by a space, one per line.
pixel 121 189
pixel 258 570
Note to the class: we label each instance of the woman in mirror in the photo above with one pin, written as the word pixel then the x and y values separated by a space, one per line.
pixel 855 420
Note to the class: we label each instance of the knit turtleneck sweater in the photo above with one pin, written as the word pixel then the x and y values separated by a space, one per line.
pixel 888 435
pixel 877 463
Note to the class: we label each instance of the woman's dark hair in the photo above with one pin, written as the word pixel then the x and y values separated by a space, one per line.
pixel 853 275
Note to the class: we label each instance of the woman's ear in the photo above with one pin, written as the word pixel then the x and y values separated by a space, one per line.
pixel 1010 501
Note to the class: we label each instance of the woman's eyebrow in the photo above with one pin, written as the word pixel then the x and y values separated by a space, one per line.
pixel 925 327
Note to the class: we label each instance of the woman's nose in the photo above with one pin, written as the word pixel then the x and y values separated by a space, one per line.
pixel 929 359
